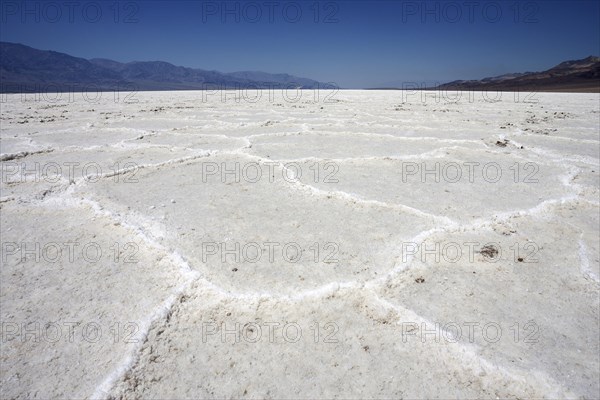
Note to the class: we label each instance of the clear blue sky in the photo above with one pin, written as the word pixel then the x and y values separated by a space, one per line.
pixel 352 43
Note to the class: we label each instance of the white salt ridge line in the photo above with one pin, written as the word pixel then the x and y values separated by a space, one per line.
pixel 577 188
pixel 126 144
pixel 119 145
pixel 83 180
pixel 410 126
pixel 536 210
pixel 180 160
pixel 174 256
pixel 225 126
pixel 542 208
pixel 274 134
pixel 527 156
pixel 344 195
pixel 188 130
pixel 122 145
pixel 353 198
pixel 403 266
pixel 102 391
pixel 27 141
pixel 316 293
pixel 22 154
pixel 477 224
pixel 466 355
pixel 101 129
pixel 585 262
pixel 147 146
pixel 412 138
pixel 368 134
pixel 66 198
pixel 437 153
pixel 559 158
pixel 196 135
pixel 445 220
pixel 569 139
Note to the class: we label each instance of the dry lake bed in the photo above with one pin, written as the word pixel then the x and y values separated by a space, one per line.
pixel 351 244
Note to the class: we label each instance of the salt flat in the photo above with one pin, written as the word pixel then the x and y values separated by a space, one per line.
pixel 358 244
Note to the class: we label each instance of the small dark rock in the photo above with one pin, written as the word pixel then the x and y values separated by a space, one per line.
pixel 489 251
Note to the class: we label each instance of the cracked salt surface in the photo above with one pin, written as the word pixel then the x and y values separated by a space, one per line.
pixel 364 291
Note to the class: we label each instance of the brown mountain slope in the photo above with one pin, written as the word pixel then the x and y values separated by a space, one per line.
pixel 569 76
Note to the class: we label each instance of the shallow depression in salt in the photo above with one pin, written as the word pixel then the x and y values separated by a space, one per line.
pixel 344 210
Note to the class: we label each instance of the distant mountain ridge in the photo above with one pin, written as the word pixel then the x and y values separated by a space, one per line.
pixel 25 69
pixel 569 76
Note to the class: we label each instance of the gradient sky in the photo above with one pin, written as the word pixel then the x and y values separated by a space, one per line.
pixel 351 43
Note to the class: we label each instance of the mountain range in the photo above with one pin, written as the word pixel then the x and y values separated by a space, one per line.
pixel 25 69
pixel 569 76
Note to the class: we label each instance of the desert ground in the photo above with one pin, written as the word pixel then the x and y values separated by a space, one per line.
pixel 350 244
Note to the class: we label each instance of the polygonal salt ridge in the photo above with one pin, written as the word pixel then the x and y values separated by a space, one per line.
pixel 587 175
pixel 346 145
pixel 195 141
pixel 178 235
pixel 542 379
pixel 151 233
pixel 584 218
pixel 413 182
pixel 36 175
pixel 163 229
pixel 88 137
pixel 154 235
pixel 14 148
pixel 329 332
pixel 562 151
pixel 104 294
pixel 516 238
pixel 533 289
pixel 537 211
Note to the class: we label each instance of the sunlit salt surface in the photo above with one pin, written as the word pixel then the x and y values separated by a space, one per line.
pixel 365 184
